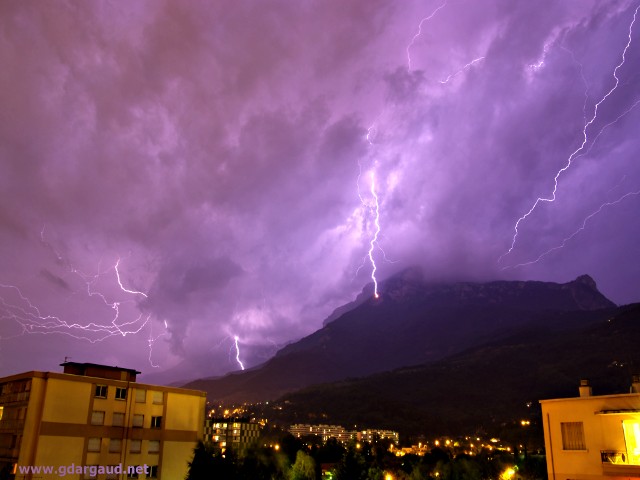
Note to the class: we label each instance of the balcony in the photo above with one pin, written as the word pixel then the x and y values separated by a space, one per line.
pixel 617 462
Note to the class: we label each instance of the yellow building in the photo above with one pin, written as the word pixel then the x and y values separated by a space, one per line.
pixel 593 436
pixel 91 419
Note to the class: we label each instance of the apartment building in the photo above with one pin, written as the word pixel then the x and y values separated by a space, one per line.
pixel 323 431
pixel 593 436
pixel 234 433
pixel 97 415
pixel 341 434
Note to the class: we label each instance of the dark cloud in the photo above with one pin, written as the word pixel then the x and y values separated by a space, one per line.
pixel 220 154
pixel 54 279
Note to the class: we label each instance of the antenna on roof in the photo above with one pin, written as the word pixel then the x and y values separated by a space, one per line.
pixel 66 359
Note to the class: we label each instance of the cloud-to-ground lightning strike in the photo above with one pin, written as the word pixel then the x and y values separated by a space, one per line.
pixel 373 243
pixel 234 349
pixel 374 239
pixel 582 227
pixel 581 148
pixel 419 32
pixel 371 132
pixel 235 338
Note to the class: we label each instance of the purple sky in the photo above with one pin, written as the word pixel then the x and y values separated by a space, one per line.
pixel 215 149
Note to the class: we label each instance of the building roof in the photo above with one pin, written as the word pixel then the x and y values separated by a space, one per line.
pixel 85 366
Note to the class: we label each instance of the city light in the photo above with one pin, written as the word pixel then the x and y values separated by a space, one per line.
pixel 507 474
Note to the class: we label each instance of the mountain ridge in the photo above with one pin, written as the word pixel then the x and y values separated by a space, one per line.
pixel 486 388
pixel 413 322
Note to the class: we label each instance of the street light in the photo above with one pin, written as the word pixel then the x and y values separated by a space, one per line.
pixel 508 474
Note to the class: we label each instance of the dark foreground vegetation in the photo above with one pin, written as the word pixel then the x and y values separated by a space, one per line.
pixel 283 457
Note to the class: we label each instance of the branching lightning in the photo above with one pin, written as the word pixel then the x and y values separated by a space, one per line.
pixel 582 227
pixel 29 317
pixel 581 148
pixel 18 308
pixel 374 204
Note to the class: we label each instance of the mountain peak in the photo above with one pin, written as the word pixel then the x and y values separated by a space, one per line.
pixel 586 280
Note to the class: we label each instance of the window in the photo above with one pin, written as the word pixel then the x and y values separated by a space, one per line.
pixel 141 395
pixel 153 471
pixel 121 393
pixel 97 417
pixel 115 445
pixel 101 391
pixel 156 422
pixel 111 475
pixel 118 419
pixel 631 430
pixel 1 412
pixel 138 420
pixel 94 444
pixel 158 398
pixel 132 471
pixel 135 446
pixel 91 472
pixel 154 446
pixel 573 436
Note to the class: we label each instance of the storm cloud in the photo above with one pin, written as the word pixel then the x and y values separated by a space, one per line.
pixel 222 154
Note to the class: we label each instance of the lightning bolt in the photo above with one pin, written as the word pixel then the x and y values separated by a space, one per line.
pixel 235 338
pixel 151 340
pixel 235 347
pixel 374 239
pixel 372 131
pixel 582 227
pixel 29 317
pixel 134 292
pixel 584 81
pixel 17 307
pixel 468 65
pixel 581 148
pixel 564 242
pixel 419 32
pixel 375 209
pixel 545 52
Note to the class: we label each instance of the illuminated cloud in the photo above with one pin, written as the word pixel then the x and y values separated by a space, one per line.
pixel 215 148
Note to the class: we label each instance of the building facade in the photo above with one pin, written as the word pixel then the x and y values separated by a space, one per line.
pixel 97 416
pixel 323 431
pixel 234 433
pixel 593 436
pixel 373 435
pixel 339 433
